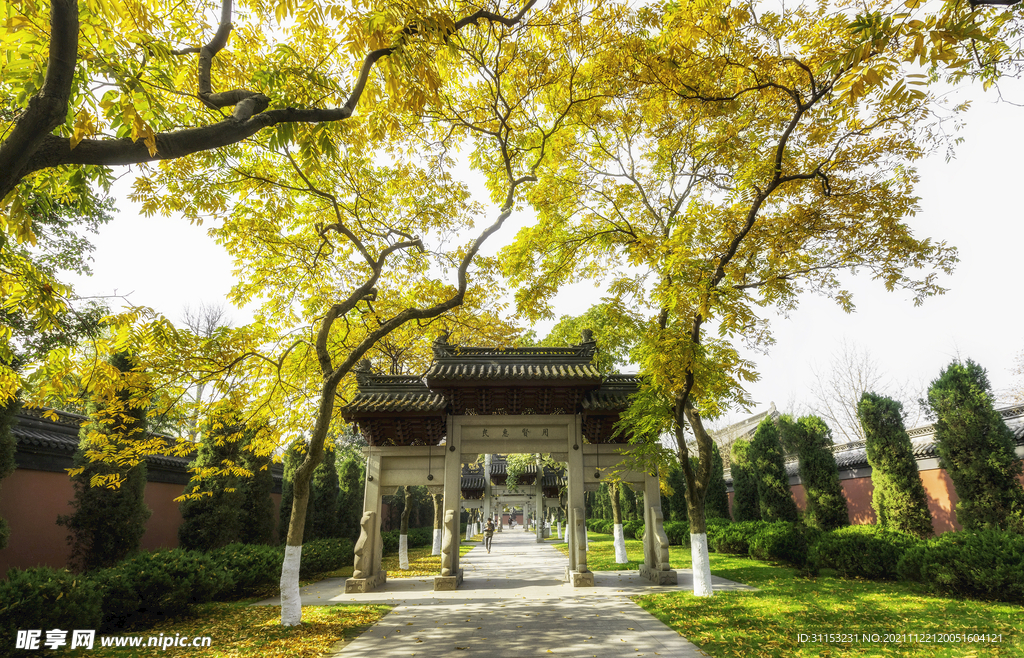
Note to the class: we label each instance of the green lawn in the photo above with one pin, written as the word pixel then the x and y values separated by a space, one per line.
pixel 769 622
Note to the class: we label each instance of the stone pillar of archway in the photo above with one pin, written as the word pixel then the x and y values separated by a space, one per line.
pixel 451 573
pixel 656 567
pixel 488 505
pixel 540 500
pixel 577 574
pixel 366 572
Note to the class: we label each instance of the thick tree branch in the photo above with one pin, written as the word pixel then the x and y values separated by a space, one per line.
pixel 47 109
pixel 31 146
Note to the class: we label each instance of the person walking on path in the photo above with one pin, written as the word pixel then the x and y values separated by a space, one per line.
pixel 488 534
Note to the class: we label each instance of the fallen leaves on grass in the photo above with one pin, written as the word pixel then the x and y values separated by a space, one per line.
pixel 237 629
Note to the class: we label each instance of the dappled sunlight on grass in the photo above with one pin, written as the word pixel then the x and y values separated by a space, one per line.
pixel 768 622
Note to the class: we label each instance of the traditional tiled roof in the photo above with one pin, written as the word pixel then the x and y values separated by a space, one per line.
pixel 455 363
pixel 34 430
pixel 613 396
pixel 389 394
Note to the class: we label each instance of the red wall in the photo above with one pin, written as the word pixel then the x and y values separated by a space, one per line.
pixel 938 488
pixel 30 501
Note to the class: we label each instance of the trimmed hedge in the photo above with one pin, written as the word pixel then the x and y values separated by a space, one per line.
pixel 323 555
pixel 250 566
pixel 633 529
pixel 735 538
pixel 678 532
pixel 782 541
pixel 150 587
pixel 980 564
pixel 46 598
pixel 716 527
pixel 863 551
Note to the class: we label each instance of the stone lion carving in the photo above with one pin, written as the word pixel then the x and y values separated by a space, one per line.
pixel 661 561
pixel 363 564
pixel 446 546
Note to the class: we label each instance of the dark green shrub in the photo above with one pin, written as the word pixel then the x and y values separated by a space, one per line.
pixel 632 527
pixel 716 499
pixel 151 587
pixel 977 450
pixel 773 492
pixel 592 524
pixel 898 498
pixel 981 564
pixel 350 465
pixel 863 551
pixel 782 541
pixel 250 567
pixel 7 450
pixel 678 533
pixel 46 598
pixel 212 520
pixel 745 504
pixel 323 555
pixel 390 538
pixel 715 527
pixel 735 538
pixel 420 537
pixel 256 511
pixel 108 524
pixel 811 439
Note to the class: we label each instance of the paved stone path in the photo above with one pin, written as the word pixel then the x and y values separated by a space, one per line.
pixel 514 604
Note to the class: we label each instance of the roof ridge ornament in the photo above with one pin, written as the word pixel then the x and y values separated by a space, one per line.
pixel 364 369
pixel 441 344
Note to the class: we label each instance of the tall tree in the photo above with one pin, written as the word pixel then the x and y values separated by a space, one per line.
pixel 351 473
pixel 716 503
pixel 322 518
pixel 898 497
pixel 728 183
pixel 977 449
pixel 438 500
pixel 811 440
pixel 256 511
pixel 387 254
pixel 8 447
pixel 210 515
pixel 766 456
pixel 746 506
pixel 109 510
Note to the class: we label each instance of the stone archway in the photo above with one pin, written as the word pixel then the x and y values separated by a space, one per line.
pixel 475 401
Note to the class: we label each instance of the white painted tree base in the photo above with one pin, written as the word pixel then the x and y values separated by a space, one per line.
pixel 403 552
pixel 291 603
pixel 559 529
pixel 701 565
pixel 620 544
pixel 436 548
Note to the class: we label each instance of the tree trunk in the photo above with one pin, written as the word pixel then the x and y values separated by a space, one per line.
pixel 291 603
pixel 438 518
pixel 403 533
pixel 619 535
pixel 696 490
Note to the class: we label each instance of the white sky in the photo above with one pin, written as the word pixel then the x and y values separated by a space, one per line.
pixel 972 202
